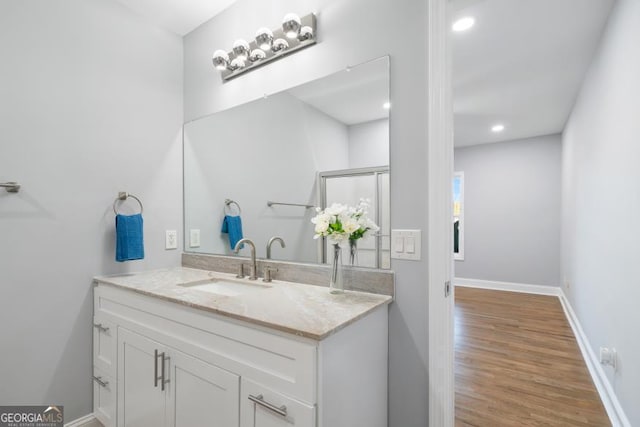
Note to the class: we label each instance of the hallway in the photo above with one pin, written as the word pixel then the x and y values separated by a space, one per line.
pixel 517 363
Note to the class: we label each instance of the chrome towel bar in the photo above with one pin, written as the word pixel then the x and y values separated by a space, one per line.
pixel 270 203
pixel 11 187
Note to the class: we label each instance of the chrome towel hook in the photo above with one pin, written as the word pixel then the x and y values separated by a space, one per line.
pixel 122 196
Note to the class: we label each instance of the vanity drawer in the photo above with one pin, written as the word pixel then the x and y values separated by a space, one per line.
pixel 105 343
pixel 261 406
pixel 104 397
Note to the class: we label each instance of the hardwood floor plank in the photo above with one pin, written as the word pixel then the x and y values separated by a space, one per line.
pixel 517 363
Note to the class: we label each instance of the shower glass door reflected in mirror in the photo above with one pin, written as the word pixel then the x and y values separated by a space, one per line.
pixel 348 187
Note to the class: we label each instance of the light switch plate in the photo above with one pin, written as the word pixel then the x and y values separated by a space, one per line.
pixel 194 238
pixel 406 244
pixel 171 239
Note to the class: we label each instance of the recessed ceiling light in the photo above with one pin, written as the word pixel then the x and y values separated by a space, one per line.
pixel 497 128
pixel 386 105
pixel 463 24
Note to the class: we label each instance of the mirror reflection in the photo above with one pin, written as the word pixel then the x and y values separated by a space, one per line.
pixel 259 170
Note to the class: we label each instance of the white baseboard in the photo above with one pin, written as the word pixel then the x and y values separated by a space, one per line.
pixel 608 396
pixel 603 386
pixel 86 421
pixel 507 286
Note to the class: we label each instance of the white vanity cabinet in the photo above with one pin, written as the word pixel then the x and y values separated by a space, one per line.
pixel 170 365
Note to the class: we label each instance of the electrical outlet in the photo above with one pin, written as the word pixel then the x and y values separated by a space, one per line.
pixel 194 238
pixel 171 239
pixel 608 356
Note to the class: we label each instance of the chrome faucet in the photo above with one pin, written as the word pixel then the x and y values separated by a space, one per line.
pixel 271 240
pixel 254 268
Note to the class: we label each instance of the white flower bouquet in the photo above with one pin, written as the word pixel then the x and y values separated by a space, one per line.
pixel 341 223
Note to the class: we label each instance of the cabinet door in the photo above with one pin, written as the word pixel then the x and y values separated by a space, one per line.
pixel 262 407
pixel 201 395
pixel 141 400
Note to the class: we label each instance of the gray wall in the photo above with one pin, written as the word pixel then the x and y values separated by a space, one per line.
pixel 511 211
pixel 266 161
pixel 369 144
pixel 349 33
pixel 601 202
pixel 91 104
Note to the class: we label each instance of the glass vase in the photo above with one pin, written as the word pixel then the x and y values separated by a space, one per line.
pixel 353 252
pixel 336 284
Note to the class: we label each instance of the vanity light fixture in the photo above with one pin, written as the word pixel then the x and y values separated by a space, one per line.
pixel 295 33
pixel 497 128
pixel 463 24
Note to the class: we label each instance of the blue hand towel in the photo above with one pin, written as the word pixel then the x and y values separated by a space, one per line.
pixel 129 242
pixel 232 225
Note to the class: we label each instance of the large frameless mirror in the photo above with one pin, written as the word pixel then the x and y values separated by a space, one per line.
pixel 266 165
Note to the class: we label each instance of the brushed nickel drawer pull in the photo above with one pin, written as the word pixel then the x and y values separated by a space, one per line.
pixel 155 368
pixel 259 399
pixel 100 381
pixel 100 327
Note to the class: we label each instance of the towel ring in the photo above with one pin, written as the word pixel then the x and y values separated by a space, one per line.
pixel 122 196
pixel 228 203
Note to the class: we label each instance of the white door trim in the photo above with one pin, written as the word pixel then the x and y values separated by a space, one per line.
pixel 440 230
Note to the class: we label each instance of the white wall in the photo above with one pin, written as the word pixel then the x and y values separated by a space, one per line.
pixel 511 211
pixel 601 202
pixel 369 144
pixel 247 155
pixel 90 104
pixel 349 33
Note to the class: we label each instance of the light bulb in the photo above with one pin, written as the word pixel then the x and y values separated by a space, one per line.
pixel 241 49
pixel 386 105
pixel 306 33
pixel 291 25
pixel 257 55
pixel 497 128
pixel 264 38
pixel 280 44
pixel 220 59
pixel 237 64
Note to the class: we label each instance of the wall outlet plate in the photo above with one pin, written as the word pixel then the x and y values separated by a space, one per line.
pixel 171 239
pixel 194 238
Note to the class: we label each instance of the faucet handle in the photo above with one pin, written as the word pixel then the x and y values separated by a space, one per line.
pixel 267 274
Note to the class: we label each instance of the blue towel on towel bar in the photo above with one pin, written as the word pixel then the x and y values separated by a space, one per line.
pixel 232 225
pixel 129 242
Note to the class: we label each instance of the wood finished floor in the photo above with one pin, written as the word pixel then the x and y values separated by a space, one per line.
pixel 517 363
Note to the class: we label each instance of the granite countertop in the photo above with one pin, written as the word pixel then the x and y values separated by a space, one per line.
pixel 303 310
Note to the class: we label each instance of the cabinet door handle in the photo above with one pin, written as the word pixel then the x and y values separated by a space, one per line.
pixel 100 381
pixel 163 380
pixel 100 327
pixel 155 367
pixel 259 399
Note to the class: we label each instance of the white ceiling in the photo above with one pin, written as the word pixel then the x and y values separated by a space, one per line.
pixel 178 16
pixel 522 65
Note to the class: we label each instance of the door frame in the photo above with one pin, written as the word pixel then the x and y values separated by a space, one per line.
pixel 440 210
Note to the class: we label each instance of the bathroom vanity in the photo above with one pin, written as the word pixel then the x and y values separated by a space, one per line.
pixel 192 348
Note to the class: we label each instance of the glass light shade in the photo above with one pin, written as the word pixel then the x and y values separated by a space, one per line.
pixel 237 63
pixel 241 49
pixel 257 55
pixel 291 25
pixel 220 59
pixel 280 44
pixel 306 33
pixel 264 38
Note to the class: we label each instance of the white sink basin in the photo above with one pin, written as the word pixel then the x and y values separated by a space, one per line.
pixel 224 287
